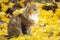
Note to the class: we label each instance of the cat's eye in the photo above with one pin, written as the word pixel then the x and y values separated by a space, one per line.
pixel 35 9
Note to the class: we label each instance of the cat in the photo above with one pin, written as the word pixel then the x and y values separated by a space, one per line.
pixel 20 24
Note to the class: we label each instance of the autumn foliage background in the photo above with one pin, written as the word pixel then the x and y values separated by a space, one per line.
pixel 48 27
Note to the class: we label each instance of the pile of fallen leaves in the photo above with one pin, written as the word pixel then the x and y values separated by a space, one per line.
pixel 48 27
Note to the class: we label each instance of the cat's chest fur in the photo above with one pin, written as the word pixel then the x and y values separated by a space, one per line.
pixel 34 17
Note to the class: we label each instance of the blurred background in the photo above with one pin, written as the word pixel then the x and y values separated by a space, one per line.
pixel 48 27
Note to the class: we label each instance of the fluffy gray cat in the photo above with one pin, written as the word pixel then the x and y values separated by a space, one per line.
pixel 20 24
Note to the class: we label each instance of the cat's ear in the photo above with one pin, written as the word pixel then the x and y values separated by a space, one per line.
pixel 36 4
pixel 28 4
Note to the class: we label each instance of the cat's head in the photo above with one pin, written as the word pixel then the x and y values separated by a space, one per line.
pixel 32 12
